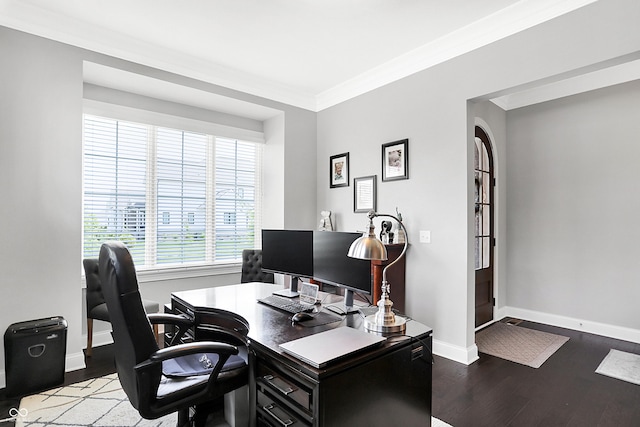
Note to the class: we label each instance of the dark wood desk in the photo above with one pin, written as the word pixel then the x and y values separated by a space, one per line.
pixel 387 385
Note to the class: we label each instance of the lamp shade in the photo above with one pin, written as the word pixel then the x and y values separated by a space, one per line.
pixel 367 247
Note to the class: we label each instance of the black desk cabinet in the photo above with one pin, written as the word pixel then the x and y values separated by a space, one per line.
pixel 393 388
pixel 389 385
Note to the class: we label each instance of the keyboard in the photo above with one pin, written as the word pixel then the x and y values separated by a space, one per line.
pixel 285 304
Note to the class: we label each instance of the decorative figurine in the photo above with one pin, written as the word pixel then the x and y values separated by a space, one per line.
pixel 400 237
pixel 325 221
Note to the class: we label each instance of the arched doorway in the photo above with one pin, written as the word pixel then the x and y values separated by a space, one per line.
pixel 484 228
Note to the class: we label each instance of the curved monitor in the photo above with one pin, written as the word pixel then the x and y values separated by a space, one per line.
pixel 332 265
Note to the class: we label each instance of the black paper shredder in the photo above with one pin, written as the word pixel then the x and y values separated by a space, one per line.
pixel 34 354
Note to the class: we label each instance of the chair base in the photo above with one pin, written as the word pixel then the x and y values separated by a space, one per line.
pixel 236 407
pixel 198 416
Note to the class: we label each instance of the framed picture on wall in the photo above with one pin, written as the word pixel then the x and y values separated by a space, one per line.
pixel 339 170
pixel 395 160
pixel 364 193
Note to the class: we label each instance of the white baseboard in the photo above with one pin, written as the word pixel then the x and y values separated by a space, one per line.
pixel 74 361
pixel 456 353
pixel 607 330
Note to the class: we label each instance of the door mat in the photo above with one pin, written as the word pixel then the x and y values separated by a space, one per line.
pixel 621 365
pixel 521 345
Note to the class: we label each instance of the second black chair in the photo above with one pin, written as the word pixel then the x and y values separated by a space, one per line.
pixel 252 267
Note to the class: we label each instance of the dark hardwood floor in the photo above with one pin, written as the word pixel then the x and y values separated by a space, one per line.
pixel 564 391
pixel 492 392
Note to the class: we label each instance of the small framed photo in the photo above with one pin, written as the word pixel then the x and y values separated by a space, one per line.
pixel 364 193
pixel 339 170
pixel 395 160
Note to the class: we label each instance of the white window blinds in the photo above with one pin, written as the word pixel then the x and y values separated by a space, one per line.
pixel 173 196
pixel 236 186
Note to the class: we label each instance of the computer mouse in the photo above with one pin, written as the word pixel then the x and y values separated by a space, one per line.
pixel 301 317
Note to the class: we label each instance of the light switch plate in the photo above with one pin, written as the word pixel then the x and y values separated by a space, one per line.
pixel 425 236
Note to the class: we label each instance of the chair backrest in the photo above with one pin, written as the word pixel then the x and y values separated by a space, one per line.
pixel 252 267
pixel 133 336
pixel 94 287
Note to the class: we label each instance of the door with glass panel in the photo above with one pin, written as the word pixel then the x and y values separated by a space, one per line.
pixel 484 238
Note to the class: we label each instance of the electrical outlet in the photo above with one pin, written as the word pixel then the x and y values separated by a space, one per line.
pixel 425 236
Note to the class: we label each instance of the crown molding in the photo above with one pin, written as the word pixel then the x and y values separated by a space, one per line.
pixel 610 76
pixel 506 22
pixel 44 23
pixel 126 81
pixel 524 14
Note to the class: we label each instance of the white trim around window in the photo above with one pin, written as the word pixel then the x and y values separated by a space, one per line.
pixel 130 114
pixel 224 135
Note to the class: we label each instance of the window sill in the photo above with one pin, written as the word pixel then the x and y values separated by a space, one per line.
pixel 183 272
pixel 186 272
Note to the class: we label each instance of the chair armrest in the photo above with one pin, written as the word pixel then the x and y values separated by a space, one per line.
pixel 192 348
pixel 169 319
pixel 149 372
pixel 224 351
pixel 181 322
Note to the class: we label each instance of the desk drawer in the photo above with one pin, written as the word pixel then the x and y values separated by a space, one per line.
pixel 273 413
pixel 286 387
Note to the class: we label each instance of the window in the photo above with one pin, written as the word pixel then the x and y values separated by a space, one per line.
pixel 483 200
pixel 484 235
pixel 168 194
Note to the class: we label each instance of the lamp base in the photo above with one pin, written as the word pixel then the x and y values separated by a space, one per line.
pixel 399 324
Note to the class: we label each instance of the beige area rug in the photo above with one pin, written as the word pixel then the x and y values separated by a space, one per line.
pixel 621 365
pixel 517 344
pixel 100 402
pixel 97 402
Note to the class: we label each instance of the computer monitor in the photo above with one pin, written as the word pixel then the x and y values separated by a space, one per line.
pixel 288 252
pixel 332 265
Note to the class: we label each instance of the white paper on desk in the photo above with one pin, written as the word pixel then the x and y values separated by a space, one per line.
pixel 319 349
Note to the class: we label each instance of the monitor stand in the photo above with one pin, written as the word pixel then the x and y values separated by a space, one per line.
pixel 290 292
pixel 347 307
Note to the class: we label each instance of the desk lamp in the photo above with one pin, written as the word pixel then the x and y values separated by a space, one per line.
pixel 369 247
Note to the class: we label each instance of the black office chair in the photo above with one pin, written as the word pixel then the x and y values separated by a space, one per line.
pixel 161 381
pixel 96 307
pixel 252 267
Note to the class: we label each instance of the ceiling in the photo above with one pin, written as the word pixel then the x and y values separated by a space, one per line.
pixel 307 53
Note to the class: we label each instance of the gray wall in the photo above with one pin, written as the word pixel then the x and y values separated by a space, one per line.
pixel 436 109
pixel 573 207
pixel 41 185
pixel 41 87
